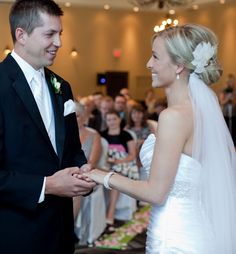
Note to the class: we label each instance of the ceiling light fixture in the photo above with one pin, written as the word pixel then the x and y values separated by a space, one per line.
pixel 168 22
pixel 195 7
pixel 161 4
pixel 172 12
pixel 68 4
pixel 106 7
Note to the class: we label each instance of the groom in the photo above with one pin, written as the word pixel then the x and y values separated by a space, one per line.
pixel 40 152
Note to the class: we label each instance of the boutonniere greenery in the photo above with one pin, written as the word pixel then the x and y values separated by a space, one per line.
pixel 56 84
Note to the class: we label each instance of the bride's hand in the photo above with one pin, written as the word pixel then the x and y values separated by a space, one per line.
pixel 96 175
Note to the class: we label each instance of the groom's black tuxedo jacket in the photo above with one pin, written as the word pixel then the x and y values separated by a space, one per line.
pixel 26 156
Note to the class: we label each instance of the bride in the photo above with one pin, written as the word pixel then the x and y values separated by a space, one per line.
pixel 191 159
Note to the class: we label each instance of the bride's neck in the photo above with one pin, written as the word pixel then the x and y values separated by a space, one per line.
pixel 177 94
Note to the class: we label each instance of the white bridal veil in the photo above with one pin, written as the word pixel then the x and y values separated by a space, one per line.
pixel 214 149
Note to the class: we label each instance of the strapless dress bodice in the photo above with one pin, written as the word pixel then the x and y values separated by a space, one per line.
pixel 179 225
pixel 188 172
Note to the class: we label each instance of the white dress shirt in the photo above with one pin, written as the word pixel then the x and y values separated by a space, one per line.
pixel 29 73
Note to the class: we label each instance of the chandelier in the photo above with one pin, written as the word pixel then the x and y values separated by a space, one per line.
pixel 166 23
pixel 160 4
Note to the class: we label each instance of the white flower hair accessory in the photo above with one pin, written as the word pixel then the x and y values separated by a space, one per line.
pixel 202 54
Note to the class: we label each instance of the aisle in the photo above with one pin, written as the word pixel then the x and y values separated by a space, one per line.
pixel 135 246
pixel 128 238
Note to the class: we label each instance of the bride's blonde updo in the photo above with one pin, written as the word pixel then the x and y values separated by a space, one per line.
pixel 181 41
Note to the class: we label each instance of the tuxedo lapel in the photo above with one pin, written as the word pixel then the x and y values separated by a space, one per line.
pixel 58 109
pixel 23 90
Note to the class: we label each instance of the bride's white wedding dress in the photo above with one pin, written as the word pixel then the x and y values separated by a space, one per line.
pixel 179 225
pixel 199 215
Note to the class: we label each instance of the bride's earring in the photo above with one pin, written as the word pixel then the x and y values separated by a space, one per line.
pixel 177 76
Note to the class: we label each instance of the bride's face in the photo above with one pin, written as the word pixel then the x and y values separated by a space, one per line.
pixel 162 68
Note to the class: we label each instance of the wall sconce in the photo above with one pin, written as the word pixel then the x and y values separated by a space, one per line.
pixel 7 50
pixel 74 52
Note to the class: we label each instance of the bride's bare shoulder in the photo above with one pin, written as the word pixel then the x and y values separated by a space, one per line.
pixel 176 113
pixel 176 120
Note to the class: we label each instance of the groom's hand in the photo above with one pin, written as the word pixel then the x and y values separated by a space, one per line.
pixel 84 169
pixel 64 183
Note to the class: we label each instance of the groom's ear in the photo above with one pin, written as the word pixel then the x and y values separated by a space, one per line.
pixel 20 35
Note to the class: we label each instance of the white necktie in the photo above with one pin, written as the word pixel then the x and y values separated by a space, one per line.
pixel 42 98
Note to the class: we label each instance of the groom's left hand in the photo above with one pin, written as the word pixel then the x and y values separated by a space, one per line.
pixel 82 171
pixel 85 169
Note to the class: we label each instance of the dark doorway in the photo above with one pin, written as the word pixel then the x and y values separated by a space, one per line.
pixel 115 81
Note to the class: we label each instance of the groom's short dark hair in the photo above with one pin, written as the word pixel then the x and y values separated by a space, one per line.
pixel 25 14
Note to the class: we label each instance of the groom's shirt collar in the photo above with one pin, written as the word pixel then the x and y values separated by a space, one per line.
pixel 27 69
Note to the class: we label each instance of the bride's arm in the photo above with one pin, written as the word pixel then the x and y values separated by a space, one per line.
pixel 173 131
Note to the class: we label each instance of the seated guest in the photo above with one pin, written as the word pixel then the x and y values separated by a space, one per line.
pixel 129 105
pixel 227 95
pixel 227 100
pixel 150 100
pixel 121 156
pixel 137 123
pixel 97 99
pixel 158 107
pixel 126 93
pixel 229 112
pixel 89 138
pixel 121 107
pixel 98 122
pixel 91 145
pixel 88 104
pixel 140 126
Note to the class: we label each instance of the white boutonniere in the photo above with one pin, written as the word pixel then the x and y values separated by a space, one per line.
pixel 202 55
pixel 56 84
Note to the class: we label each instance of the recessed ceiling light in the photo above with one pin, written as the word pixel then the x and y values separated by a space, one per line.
pixel 106 7
pixel 195 7
pixel 171 12
pixel 67 4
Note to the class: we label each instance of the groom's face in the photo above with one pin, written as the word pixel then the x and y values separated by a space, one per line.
pixel 42 44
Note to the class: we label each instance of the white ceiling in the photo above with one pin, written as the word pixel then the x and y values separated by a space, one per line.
pixel 122 4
